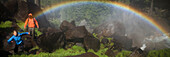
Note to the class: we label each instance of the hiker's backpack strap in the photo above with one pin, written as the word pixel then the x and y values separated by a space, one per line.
pixel 34 22
pixel 28 21
pixel 27 24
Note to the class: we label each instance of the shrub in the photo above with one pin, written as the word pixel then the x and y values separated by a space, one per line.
pixel 159 53
pixel 5 24
pixel 100 53
pixel 75 50
pixel 95 35
pixel 124 53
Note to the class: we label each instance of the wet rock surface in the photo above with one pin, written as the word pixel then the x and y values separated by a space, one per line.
pixel 110 53
pixel 79 34
pixel 13 10
pixel 137 52
pixel 65 25
pixel 29 42
pixel 125 42
pixel 51 40
pixel 105 41
pixel 5 14
pixel 92 43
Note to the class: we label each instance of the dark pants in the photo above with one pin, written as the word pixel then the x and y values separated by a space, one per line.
pixel 18 46
pixel 32 32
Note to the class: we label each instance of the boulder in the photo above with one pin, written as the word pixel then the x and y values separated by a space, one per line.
pixel 92 43
pixel 77 32
pixel 65 25
pixel 73 23
pixel 6 46
pixel 110 53
pixel 117 46
pixel 51 40
pixel 123 42
pixel 29 43
pixel 76 35
pixel 138 53
pixel 105 41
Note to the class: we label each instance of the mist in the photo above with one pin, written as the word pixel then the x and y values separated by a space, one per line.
pixel 92 15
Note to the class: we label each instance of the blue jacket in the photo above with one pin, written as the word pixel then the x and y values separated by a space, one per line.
pixel 17 38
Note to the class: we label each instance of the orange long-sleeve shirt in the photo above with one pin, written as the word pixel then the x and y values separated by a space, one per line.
pixel 31 23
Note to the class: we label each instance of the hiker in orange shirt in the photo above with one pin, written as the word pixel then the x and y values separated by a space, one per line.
pixel 31 21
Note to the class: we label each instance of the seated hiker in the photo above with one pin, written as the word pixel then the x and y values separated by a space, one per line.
pixel 31 21
pixel 17 37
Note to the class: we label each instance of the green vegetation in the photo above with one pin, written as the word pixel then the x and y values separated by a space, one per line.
pixel 159 53
pixel 92 13
pixel 100 53
pixel 95 35
pixel 55 21
pixel 75 50
pixel 123 53
pixel 35 48
pixel 5 24
pixel 20 24
pixel 38 33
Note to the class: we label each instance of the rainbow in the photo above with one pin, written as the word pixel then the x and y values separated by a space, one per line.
pixel 120 5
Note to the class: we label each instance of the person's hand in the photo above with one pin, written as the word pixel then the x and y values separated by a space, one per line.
pixel 38 27
pixel 28 33
pixel 24 28
pixel 12 41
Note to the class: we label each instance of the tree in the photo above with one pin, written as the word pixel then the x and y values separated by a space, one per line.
pixel 151 8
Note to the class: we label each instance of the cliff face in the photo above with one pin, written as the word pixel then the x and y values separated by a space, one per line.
pixel 14 10
pixel 18 10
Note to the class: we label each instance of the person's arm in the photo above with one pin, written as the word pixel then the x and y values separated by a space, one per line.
pixel 24 33
pixel 10 39
pixel 36 23
pixel 25 23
